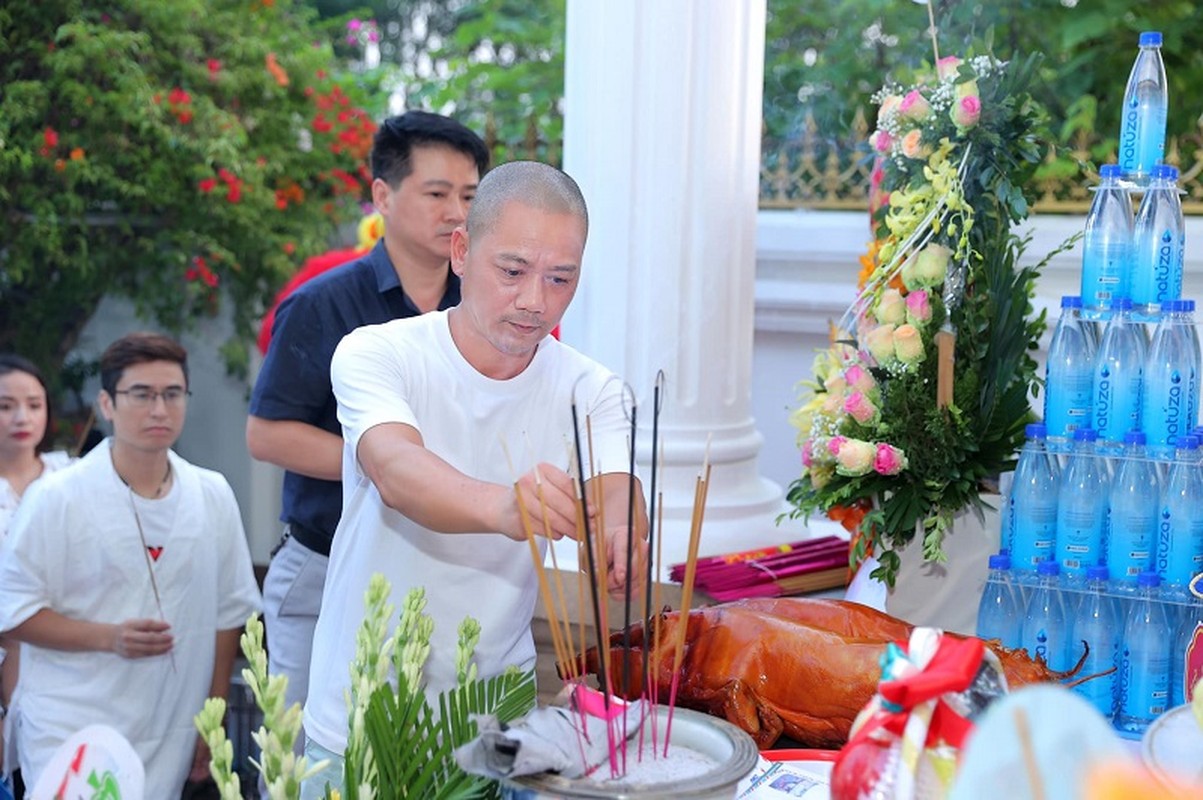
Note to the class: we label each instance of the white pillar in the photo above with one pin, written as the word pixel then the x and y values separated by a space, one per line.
pixel 662 131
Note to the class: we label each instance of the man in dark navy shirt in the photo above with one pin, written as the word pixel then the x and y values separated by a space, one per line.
pixel 425 169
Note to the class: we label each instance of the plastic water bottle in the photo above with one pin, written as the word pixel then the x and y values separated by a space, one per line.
pixel 1097 623
pixel 1119 375
pixel 1169 405
pixel 1158 242
pixel 1187 321
pixel 1082 508
pixel 1186 657
pixel 1146 104
pixel 1107 243
pixel 1069 375
pixel 999 614
pixel 1144 672
pixel 1180 532
pixel 1033 503
pixel 1134 502
pixel 1044 628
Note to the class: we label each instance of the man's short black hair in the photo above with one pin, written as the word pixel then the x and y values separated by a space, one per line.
pixel 392 148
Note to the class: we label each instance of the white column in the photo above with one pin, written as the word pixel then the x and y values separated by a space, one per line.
pixel 662 131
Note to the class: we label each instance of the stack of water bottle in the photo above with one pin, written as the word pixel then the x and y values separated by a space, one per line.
pixel 1103 531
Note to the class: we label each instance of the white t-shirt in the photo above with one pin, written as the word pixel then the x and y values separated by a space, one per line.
pixel 410 371
pixel 74 547
pixel 9 500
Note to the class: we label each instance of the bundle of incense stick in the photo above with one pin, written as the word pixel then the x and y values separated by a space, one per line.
pixel 805 566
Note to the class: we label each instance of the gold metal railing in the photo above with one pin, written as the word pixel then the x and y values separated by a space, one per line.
pixel 821 172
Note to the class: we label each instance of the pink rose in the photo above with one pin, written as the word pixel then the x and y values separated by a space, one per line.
pixel 908 346
pixel 914 106
pixel 891 307
pixel 912 144
pixel 859 379
pixel 966 111
pixel 888 460
pixel 808 453
pixel 858 406
pixel 834 444
pixel 948 67
pixel 880 343
pixel 855 458
pixel 918 307
pixel 881 141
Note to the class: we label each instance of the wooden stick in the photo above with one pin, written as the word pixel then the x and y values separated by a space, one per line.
pixel 537 560
pixel 691 564
pixel 1029 754
pixel 83 433
pixel 931 17
pixel 946 342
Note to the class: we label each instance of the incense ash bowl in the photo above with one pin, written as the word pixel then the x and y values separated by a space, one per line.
pixel 707 759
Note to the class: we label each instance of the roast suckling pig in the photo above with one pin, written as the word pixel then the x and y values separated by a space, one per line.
pixel 789 665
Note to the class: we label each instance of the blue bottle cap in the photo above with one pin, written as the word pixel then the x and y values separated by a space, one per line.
pixel 1098 572
pixel 1071 301
pixel 1052 568
pixel 1188 442
pixel 1135 437
pixel 1148 579
pixel 1188 306
pixel 1172 307
pixel 1121 304
pixel 1150 39
pixel 1000 561
pixel 1164 172
pixel 1086 435
pixel 1035 430
pixel 1111 171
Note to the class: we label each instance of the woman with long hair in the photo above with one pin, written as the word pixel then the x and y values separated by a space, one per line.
pixel 26 432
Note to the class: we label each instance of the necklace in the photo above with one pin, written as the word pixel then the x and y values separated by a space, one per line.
pixel 158 492
pixel 150 569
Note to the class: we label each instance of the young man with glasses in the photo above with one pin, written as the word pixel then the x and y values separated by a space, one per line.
pixel 127 578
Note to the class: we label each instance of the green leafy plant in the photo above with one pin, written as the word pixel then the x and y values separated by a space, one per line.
pixel 184 154
pixel 397 745
pixel 882 449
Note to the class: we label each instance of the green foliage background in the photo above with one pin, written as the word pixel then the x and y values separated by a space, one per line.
pixel 103 162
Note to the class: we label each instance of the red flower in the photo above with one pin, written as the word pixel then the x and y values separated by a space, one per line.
pixel 207 185
pixel 226 175
pixel 322 125
pixel 184 117
pixel 234 195
pixel 281 200
pixel 214 67
pixel 290 248
pixel 178 97
pixel 50 138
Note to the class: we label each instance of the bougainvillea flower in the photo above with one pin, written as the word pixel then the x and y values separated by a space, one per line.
pixel 276 70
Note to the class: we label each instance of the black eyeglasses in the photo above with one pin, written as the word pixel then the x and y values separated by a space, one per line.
pixel 141 396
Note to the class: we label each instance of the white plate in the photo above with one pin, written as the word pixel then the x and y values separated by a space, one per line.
pixel 1172 748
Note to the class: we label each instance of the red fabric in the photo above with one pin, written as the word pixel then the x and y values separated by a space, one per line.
pixel 951 670
pixel 310 269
